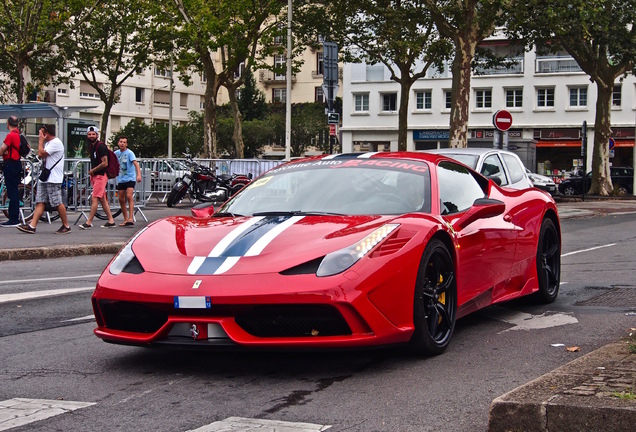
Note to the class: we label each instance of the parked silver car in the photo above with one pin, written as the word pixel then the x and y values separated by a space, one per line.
pixel 542 182
pixel 501 164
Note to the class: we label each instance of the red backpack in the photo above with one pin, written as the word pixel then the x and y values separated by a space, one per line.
pixel 112 170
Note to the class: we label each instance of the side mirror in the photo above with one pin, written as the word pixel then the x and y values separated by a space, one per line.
pixel 482 208
pixel 203 211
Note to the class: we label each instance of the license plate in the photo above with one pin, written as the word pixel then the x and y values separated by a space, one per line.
pixel 192 302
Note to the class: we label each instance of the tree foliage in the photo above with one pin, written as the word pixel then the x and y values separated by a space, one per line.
pixel 601 37
pixel 30 34
pixel 110 47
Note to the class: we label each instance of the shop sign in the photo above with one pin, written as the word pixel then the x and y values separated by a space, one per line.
pixel 557 133
pixel 430 135
pixel 489 133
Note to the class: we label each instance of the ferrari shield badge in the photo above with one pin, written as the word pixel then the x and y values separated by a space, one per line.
pixel 194 331
pixel 196 284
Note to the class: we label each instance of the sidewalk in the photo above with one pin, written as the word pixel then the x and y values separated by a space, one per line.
pixel 579 396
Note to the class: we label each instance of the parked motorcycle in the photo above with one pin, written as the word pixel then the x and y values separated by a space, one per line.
pixel 202 184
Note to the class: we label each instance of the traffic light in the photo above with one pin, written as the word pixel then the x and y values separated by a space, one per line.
pixel 333 118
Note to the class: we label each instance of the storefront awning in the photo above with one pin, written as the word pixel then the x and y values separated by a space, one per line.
pixel 577 143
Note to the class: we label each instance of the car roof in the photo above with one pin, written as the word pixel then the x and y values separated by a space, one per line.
pixel 477 151
pixel 433 158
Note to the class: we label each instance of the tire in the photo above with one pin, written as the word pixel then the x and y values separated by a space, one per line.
pixel 176 195
pixel 24 191
pixel 435 301
pixel 102 215
pixel 622 190
pixel 568 190
pixel 548 262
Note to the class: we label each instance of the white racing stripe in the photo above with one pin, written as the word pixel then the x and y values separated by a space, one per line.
pixel 587 250
pixel 21 296
pixel 20 412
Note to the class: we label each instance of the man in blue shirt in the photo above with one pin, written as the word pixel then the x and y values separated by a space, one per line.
pixel 129 174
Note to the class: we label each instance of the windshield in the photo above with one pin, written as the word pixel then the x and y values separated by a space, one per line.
pixel 344 186
pixel 466 159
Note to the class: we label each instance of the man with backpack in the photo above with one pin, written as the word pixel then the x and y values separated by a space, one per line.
pixel 99 155
pixel 10 151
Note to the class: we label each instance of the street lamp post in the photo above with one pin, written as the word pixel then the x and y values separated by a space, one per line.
pixel 289 78
pixel 170 112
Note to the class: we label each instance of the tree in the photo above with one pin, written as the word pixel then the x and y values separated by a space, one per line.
pixel 110 47
pixel 30 34
pixel 251 100
pixel 216 38
pixel 466 23
pixel 601 37
pixel 397 33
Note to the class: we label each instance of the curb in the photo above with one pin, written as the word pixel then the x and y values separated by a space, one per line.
pixel 578 396
pixel 60 251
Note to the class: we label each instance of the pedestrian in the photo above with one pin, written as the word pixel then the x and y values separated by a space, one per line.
pixel 129 174
pixel 10 151
pixel 49 190
pixel 98 153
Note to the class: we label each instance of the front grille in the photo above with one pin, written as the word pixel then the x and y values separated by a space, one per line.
pixel 132 317
pixel 293 321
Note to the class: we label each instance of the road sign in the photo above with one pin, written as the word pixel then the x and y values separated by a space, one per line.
pixel 332 130
pixel 502 120
pixel 333 118
pixel 612 143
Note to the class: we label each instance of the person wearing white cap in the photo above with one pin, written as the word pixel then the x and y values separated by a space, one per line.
pixel 98 153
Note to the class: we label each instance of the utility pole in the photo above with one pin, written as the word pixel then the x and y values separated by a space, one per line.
pixel 170 113
pixel 289 79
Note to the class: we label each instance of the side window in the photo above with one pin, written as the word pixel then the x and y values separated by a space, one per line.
pixel 493 166
pixel 458 189
pixel 514 166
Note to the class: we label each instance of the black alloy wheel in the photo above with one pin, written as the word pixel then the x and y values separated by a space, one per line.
pixel 435 302
pixel 548 262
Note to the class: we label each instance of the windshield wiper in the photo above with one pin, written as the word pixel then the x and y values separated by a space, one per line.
pixel 296 213
pixel 226 214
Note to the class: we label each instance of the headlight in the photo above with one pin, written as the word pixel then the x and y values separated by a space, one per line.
pixel 124 256
pixel 338 261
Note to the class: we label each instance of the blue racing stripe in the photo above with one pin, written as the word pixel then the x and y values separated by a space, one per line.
pixel 243 243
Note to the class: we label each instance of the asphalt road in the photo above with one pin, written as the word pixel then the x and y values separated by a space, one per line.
pixel 47 351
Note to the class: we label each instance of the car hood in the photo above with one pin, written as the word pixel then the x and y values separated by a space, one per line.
pixel 246 245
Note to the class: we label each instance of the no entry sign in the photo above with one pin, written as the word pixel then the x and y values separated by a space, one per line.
pixel 502 120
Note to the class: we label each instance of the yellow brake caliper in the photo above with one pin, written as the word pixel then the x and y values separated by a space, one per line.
pixel 441 298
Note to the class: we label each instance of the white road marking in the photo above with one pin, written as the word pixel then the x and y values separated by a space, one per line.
pixel 240 424
pixel 21 296
pixel 525 321
pixel 4 282
pixel 19 412
pixel 587 250
pixel 84 318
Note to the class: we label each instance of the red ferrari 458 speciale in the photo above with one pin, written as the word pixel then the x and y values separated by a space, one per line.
pixel 335 251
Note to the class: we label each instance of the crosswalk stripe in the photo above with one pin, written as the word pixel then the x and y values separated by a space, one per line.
pixel 237 424
pixel 19 411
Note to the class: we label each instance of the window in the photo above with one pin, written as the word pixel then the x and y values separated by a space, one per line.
pixel 616 96
pixel 319 95
pixel 201 102
pixel 516 169
pixel 204 77
pixel 87 91
pixel 483 98
pixel 139 95
pixel 281 36
pixel 62 91
pixel 279 95
pixel 545 97
pixel 361 102
pixel 423 100
pixel 183 100
pixel 458 189
pixel 578 96
pixel 514 98
pixel 448 99
pixel 320 63
pixel 279 65
pixel 162 97
pixel 389 102
pixel 493 167
pixel 240 70
pixel 162 72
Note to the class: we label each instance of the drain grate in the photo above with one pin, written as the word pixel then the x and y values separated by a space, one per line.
pixel 624 297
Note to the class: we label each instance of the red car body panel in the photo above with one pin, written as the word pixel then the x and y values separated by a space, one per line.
pixel 495 260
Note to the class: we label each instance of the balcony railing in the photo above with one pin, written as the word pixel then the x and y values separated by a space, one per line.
pixel 557 64
pixel 514 68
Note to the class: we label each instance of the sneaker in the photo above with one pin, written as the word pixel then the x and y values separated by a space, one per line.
pixel 63 230
pixel 8 224
pixel 26 228
pixel 109 225
pixel 85 226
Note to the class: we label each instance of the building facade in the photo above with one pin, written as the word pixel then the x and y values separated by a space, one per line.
pixel 549 97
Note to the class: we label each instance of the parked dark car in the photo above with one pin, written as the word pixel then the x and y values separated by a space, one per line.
pixel 622 179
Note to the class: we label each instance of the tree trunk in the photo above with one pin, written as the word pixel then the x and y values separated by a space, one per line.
pixel 21 86
pixel 237 136
pixel 601 179
pixel 405 88
pixel 460 98
pixel 209 119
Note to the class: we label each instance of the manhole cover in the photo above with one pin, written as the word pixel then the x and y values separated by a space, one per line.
pixel 616 297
